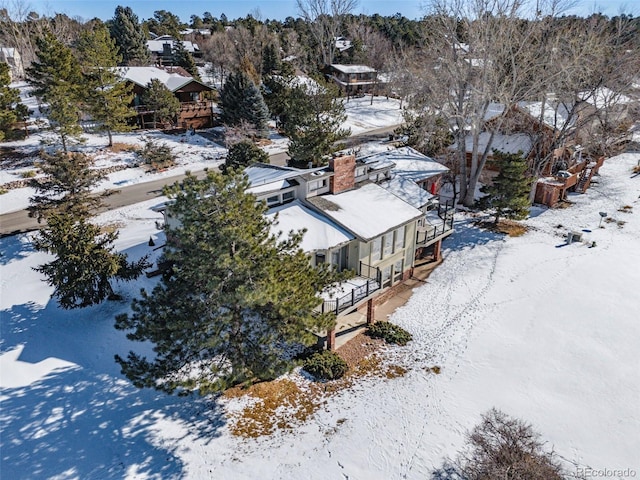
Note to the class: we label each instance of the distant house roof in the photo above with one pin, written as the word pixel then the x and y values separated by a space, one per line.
pixel 352 68
pixel 604 97
pixel 514 143
pixel 555 115
pixel 367 212
pixel 157 44
pixel 143 75
pixel 321 234
pixel 342 44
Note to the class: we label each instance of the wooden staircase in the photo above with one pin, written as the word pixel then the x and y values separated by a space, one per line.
pixel 585 178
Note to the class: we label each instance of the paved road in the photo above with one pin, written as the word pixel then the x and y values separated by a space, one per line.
pixel 17 222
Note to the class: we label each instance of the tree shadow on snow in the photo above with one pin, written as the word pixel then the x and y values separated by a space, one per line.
pixel 67 411
pixel 15 247
pixel 467 235
pixel 448 471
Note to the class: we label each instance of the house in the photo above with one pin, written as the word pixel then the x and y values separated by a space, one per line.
pixel 162 49
pixel 364 215
pixel 373 216
pixel 195 110
pixel 353 79
pixel 11 57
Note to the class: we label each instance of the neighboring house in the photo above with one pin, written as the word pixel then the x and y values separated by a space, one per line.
pixel 195 110
pixel 353 79
pixel 11 57
pixel 533 128
pixel 162 49
pixel 342 44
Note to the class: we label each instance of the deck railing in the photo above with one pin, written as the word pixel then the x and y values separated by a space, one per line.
pixel 370 275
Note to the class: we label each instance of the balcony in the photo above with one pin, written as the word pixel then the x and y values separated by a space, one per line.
pixel 437 224
pixel 351 292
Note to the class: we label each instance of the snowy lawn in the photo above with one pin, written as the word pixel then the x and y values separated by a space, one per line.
pixel 543 331
pixel 363 115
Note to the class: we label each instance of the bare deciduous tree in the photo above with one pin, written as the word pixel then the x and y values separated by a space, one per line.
pixel 325 18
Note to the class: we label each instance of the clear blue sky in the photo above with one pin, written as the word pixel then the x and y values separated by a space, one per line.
pixel 273 9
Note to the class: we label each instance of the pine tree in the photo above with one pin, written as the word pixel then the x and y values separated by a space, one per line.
pixel 12 110
pixel 313 123
pixel 107 97
pixel 85 263
pixel 509 193
pixel 57 80
pixel 243 154
pixel 241 100
pixel 182 58
pixel 161 101
pixel 66 187
pixel 235 300
pixel 270 60
pixel 130 37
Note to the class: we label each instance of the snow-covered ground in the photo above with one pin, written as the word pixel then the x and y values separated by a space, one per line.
pixel 543 331
pixel 364 115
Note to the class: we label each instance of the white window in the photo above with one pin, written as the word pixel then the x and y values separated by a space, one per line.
pixel 361 171
pixel 275 200
pixel 386 276
pixel 317 185
pixel 397 270
pixel 399 243
pixel 388 244
pixel 376 248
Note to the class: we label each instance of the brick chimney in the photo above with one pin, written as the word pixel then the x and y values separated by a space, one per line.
pixel 344 168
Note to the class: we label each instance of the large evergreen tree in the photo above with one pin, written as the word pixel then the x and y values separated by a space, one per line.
pixel 12 109
pixel 182 58
pixel 508 195
pixel 161 101
pixel 241 100
pixel 57 80
pixel 66 186
pixel 235 300
pixel 107 97
pixel 130 37
pixel 85 263
pixel 313 123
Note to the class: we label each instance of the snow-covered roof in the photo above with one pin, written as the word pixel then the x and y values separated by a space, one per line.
pixel 408 191
pixel 157 45
pixel 514 143
pixel 409 163
pixel 556 114
pixel 342 44
pixel 352 68
pixel 266 178
pixel 321 234
pixel 143 75
pixel 493 110
pixel 367 212
pixel 604 97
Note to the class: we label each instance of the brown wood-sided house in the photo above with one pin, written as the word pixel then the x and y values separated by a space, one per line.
pixel 532 131
pixel 353 79
pixel 195 110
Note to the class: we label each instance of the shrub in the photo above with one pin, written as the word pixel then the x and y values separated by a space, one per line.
pixel 28 174
pixel 390 333
pixel 325 365
pixel 156 155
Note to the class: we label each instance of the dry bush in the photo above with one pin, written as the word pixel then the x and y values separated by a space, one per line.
pixel 118 147
pixel 282 404
pixel 502 447
pixel 507 227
